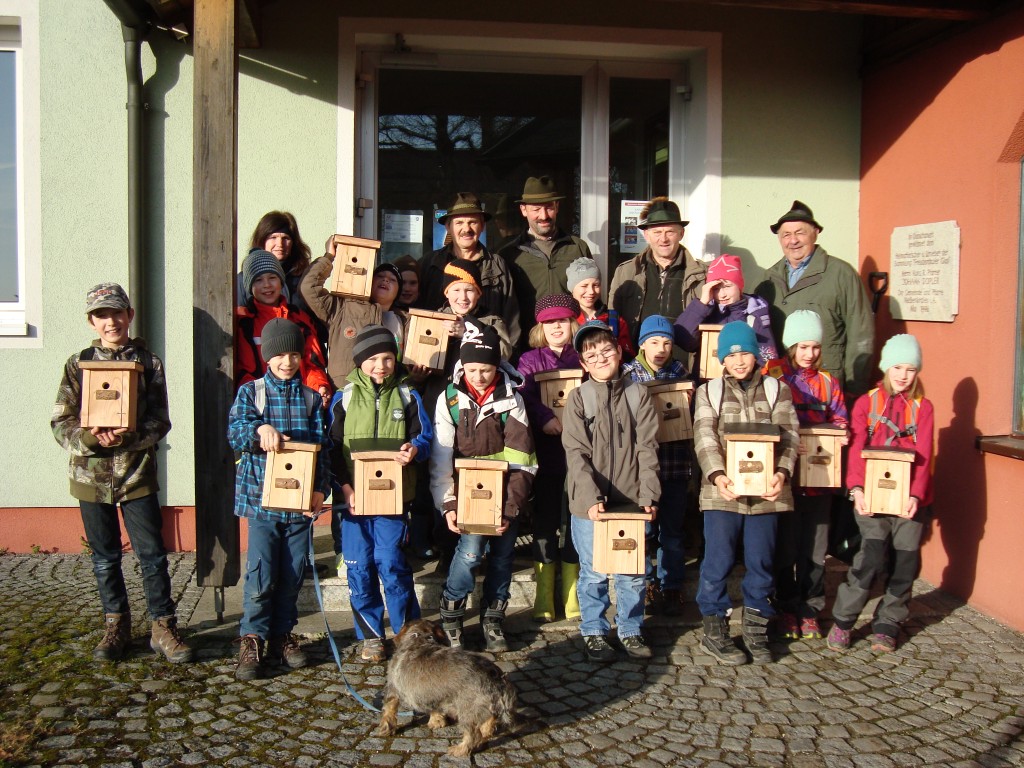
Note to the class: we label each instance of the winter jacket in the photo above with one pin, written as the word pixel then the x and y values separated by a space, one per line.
pixel 550 454
pixel 833 289
pixel 499 294
pixel 674 457
pixel 126 471
pixel 605 316
pixel 367 417
pixel 287 411
pixel 897 409
pixel 249 363
pixel 344 318
pixel 536 274
pixel 614 457
pixel 484 432
pixel 749 309
pixel 748 405
pixel 681 285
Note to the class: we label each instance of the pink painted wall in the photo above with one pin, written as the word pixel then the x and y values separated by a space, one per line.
pixel 942 139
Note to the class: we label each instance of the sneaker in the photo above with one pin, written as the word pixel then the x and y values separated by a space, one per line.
pixel 373 650
pixel 673 602
pixel 598 648
pixel 883 643
pixel 250 658
pixel 285 648
pixel 653 599
pixel 636 647
pixel 838 639
pixel 810 629
pixel 787 628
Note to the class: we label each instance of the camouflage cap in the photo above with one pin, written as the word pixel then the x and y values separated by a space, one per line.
pixel 106 296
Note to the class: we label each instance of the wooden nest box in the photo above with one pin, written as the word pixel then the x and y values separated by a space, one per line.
pixel 481 495
pixel 672 403
pixel 426 341
pixel 821 463
pixel 354 260
pixel 710 366
pixel 620 540
pixel 887 480
pixel 750 457
pixel 378 483
pixel 288 480
pixel 110 393
pixel 555 387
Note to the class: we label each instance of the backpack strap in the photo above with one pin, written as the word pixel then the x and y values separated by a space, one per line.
pixel 876 417
pixel 716 392
pixel 259 398
pixel 632 390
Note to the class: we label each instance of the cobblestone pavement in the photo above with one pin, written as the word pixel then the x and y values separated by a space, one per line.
pixel 953 694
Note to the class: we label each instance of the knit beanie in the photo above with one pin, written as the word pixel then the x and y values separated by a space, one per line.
pixel 462 271
pixel 655 325
pixel 373 340
pixel 589 327
pixel 389 267
pixel 280 336
pixel 556 306
pixel 727 267
pixel 736 337
pixel 257 263
pixel 901 349
pixel 480 344
pixel 802 325
pixel 583 268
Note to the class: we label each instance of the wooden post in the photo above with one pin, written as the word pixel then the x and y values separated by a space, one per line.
pixel 214 181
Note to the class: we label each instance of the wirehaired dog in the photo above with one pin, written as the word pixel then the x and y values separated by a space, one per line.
pixel 428 676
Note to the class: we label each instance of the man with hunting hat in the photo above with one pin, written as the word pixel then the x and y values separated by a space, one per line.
pixel 807 277
pixel 541 254
pixel 665 277
pixel 465 220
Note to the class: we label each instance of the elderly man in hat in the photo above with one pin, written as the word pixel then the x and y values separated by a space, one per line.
pixel 807 277
pixel 665 277
pixel 541 254
pixel 465 220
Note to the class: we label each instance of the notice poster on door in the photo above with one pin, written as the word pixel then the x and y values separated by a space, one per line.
pixel 925 272
pixel 631 240
pixel 403 226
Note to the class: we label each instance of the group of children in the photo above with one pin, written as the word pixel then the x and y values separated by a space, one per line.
pixel 602 453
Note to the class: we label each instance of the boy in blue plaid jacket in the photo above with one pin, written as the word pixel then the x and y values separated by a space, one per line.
pixel 266 414
pixel 654 362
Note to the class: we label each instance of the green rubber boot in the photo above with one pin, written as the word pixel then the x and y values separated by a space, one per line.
pixel 570 575
pixel 544 601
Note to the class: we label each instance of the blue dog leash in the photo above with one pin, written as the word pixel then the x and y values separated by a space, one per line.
pixel 330 637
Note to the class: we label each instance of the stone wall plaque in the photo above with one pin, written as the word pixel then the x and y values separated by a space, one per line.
pixel 925 272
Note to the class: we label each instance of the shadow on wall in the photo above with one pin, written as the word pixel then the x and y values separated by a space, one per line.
pixel 960 490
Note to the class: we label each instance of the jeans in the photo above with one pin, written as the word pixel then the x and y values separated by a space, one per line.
pixel 592 590
pixel 722 531
pixel 497 577
pixel 665 536
pixel 143 521
pixel 373 554
pixel 274 571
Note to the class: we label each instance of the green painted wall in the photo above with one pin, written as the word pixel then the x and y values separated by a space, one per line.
pixel 791 130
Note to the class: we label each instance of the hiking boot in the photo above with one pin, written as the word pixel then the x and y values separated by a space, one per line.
pixel 718 642
pixel 453 612
pixel 653 599
pixel 637 647
pixel 373 650
pixel 117 633
pixel 491 617
pixel 755 635
pixel 598 648
pixel 285 648
pixel 673 599
pixel 810 629
pixel 786 627
pixel 166 639
pixel 838 638
pixel 250 658
pixel 882 643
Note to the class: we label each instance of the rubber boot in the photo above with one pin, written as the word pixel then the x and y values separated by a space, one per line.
pixel 719 643
pixel 117 633
pixel 166 639
pixel 491 617
pixel 755 635
pixel 570 601
pixel 453 612
pixel 544 600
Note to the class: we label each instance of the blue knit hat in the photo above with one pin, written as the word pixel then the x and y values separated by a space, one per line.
pixel 655 325
pixel 901 349
pixel 736 337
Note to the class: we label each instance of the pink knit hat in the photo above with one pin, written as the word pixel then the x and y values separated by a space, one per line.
pixel 727 267
pixel 556 306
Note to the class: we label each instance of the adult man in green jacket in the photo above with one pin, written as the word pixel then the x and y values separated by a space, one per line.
pixel 808 278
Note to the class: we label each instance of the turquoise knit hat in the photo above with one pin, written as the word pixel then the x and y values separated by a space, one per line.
pixel 901 349
pixel 736 337
pixel 802 325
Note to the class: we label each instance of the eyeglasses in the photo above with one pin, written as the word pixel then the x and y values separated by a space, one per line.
pixel 600 354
